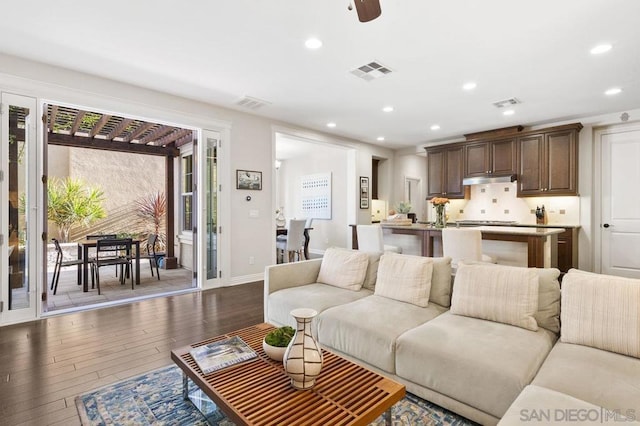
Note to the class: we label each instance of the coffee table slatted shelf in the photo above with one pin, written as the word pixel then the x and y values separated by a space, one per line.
pixel 258 392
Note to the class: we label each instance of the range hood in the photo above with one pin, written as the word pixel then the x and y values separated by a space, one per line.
pixel 480 180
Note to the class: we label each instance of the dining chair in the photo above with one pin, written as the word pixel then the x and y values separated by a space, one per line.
pixel 294 242
pixel 100 237
pixel 152 255
pixel 463 244
pixel 115 252
pixel 61 263
pixel 370 238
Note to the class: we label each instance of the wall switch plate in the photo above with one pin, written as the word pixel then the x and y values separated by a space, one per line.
pixel 254 213
pixel 563 211
pixel 252 260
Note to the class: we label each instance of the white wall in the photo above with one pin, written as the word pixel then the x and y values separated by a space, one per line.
pixel 248 142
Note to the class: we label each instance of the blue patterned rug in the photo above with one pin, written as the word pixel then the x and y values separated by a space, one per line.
pixel 155 398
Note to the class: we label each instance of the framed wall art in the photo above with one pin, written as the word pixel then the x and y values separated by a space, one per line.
pixel 316 195
pixel 248 179
pixel 364 192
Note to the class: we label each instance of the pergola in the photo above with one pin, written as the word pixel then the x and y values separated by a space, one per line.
pixel 76 128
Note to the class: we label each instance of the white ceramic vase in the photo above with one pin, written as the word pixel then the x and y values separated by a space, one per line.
pixel 303 358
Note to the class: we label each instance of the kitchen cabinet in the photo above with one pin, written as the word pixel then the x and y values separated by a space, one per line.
pixel 568 249
pixel 548 162
pixel 490 158
pixel 445 172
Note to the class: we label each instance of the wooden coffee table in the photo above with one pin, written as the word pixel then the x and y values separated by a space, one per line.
pixel 258 392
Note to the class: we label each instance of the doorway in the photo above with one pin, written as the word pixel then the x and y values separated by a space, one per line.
pixel 413 194
pixel 619 225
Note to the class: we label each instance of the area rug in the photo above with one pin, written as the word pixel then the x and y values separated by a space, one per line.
pixel 155 398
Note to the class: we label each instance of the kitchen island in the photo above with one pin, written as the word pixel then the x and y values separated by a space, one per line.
pixel 541 244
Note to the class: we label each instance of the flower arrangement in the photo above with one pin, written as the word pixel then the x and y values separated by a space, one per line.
pixel 439 204
pixel 439 201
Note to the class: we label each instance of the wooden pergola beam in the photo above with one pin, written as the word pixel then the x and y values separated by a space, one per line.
pixel 99 125
pixel 119 128
pixel 77 122
pixel 139 131
pixel 106 145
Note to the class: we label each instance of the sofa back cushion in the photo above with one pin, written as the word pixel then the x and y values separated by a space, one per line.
pixel 405 278
pixel 343 268
pixel 601 311
pixel 372 270
pixel 441 281
pixel 548 315
pixel 504 294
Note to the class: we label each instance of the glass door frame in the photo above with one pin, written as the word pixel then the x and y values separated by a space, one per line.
pixel 203 220
pixel 32 215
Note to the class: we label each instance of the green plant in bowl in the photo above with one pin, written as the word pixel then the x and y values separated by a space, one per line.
pixel 276 341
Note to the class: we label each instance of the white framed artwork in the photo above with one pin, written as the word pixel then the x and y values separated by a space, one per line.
pixel 316 195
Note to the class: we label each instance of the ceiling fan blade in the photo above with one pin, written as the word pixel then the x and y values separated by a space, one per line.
pixel 368 10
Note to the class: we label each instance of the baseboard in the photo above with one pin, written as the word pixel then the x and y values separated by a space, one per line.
pixel 244 279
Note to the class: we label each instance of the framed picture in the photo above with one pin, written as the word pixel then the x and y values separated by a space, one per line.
pixel 248 179
pixel 364 192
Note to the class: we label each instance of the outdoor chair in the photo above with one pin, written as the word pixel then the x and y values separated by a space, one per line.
pixel 61 263
pixel 100 237
pixel 152 255
pixel 115 252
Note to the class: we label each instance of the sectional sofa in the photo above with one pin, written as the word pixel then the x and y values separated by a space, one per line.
pixel 488 349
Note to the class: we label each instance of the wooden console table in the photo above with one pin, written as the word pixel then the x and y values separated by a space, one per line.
pixel 258 392
pixel 535 238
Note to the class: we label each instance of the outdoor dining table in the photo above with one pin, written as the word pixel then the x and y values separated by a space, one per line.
pixel 85 245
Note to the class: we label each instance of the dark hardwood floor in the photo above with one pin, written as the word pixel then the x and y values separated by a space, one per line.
pixel 45 364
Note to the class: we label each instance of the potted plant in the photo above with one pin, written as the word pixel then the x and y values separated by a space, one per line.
pixel 276 341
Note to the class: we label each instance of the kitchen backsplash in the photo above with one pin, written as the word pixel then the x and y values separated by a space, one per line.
pixel 498 201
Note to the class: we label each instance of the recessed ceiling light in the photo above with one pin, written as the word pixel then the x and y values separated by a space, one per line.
pixel 388 109
pixel 435 127
pixel 613 91
pixel 313 43
pixel 380 138
pixel 469 86
pixel 601 48
pixel 331 124
pixel 509 112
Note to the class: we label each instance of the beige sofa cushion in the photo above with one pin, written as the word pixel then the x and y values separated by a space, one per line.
pixel 498 293
pixel 548 315
pixel 440 292
pixel 367 329
pixel 483 364
pixel 601 311
pixel 372 270
pixel 538 405
pixel 405 278
pixel 343 268
pixel 318 297
pixel 602 378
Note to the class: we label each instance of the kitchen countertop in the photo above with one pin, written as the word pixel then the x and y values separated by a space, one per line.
pixel 538 231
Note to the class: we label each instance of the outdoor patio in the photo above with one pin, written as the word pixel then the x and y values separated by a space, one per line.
pixel 70 294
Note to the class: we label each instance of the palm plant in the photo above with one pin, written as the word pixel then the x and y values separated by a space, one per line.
pixel 152 209
pixel 73 202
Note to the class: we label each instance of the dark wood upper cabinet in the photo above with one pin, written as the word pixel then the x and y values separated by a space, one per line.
pixel 445 172
pixel 548 162
pixel 490 158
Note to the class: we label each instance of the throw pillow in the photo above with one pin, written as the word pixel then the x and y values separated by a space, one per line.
pixel 405 278
pixel 343 268
pixel 601 311
pixel 505 294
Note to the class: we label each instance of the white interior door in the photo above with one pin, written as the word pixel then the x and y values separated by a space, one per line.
pixel 209 217
pixel 620 216
pixel 413 194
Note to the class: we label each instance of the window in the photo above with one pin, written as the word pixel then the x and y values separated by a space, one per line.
pixel 187 192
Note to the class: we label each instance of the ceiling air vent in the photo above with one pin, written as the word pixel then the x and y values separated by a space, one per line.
pixel 371 71
pixel 251 103
pixel 506 103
